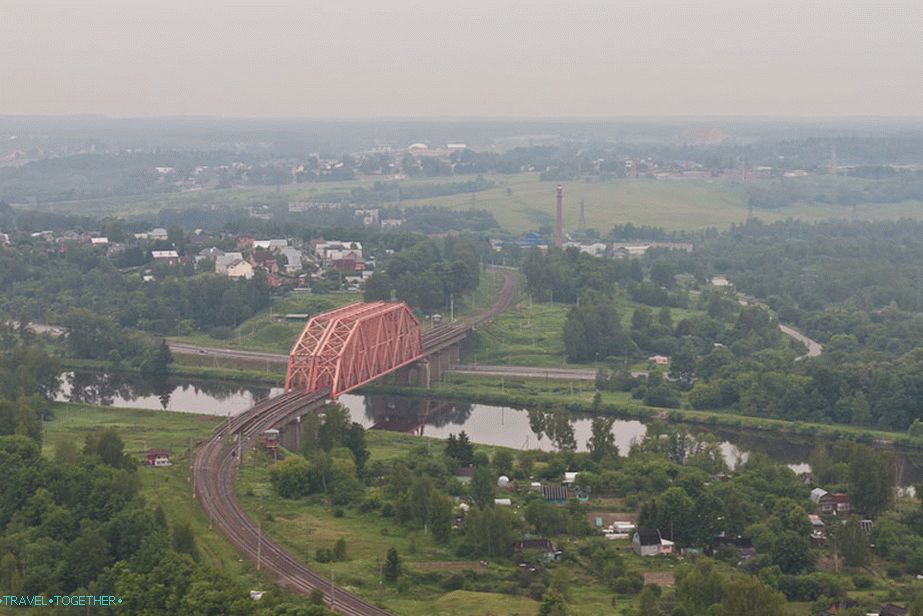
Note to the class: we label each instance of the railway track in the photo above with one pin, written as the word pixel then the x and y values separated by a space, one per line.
pixel 215 465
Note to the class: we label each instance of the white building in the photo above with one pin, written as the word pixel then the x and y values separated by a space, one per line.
pixel 336 251
pixel 224 260
pixel 293 259
pixel 274 245
pixel 158 234
pixel 240 269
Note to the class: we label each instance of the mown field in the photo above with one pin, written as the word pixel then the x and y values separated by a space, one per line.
pixel 524 202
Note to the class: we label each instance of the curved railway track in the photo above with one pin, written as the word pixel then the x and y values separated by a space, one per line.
pixel 215 465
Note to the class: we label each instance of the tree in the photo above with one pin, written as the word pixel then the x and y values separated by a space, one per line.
pixel 392 568
pixel 791 551
pixel 482 487
pixel 745 595
pixel 184 540
pixel 647 602
pixel 108 446
pixel 339 549
pixel 290 477
pixel 871 480
pixel 440 516
pixel 700 587
pixel 552 604
pixel 854 544
pixel 602 441
pixel 503 461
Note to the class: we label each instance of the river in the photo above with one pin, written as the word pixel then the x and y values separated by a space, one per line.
pixel 483 423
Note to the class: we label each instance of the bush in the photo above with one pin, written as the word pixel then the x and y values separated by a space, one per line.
pixel 323 555
pixel 629 584
pixel 456 581
pixel 338 512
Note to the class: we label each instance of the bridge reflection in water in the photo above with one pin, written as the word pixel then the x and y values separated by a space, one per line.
pixel 411 416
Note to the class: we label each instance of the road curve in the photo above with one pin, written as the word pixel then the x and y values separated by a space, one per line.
pixel 814 348
pixel 215 465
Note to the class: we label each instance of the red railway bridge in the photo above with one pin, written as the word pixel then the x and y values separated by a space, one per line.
pixel 337 352
pixel 348 347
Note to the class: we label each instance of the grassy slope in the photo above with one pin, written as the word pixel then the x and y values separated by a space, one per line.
pixel 259 333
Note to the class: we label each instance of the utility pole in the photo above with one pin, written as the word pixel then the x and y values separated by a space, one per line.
pixel 559 218
pixel 452 307
pixel 333 588
pixel 259 544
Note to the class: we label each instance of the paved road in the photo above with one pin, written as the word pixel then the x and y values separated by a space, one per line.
pixel 814 347
pixel 568 374
pixel 182 348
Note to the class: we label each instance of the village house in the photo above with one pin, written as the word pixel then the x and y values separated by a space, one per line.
pixel 823 500
pixel 271 245
pixel 265 260
pixel 225 260
pixel 293 259
pixel 158 235
pixel 165 256
pixel 648 542
pixel 842 503
pixel 157 457
pixel 211 253
pixel 329 252
pixel 818 530
pixel 239 269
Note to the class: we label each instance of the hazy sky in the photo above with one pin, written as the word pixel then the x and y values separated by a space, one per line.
pixel 510 58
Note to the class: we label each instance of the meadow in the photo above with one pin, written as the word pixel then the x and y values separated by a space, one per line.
pixel 524 202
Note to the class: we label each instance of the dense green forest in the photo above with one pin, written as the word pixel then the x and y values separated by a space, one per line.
pixel 854 287
pixel 77 523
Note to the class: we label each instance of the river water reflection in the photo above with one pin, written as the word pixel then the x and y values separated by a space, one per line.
pixel 484 423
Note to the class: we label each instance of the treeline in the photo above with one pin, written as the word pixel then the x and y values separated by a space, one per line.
pixel 427 275
pixel 77 524
pixel 40 285
pixel 893 187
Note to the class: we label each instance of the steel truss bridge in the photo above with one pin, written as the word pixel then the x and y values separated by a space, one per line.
pixel 337 352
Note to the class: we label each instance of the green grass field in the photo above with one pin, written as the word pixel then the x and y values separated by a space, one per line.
pixel 523 202
pixel 261 333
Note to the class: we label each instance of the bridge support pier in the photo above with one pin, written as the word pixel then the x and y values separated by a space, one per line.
pixel 290 434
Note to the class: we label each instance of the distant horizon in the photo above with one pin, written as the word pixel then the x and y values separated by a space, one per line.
pixel 593 59
pixel 460 118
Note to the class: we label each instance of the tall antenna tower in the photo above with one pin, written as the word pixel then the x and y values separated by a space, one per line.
pixel 559 219
pixel 582 217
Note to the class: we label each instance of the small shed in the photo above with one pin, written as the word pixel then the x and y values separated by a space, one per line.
pixel 157 457
pixel 544 546
pixel 647 542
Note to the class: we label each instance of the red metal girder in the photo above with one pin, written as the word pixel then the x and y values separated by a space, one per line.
pixel 348 347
